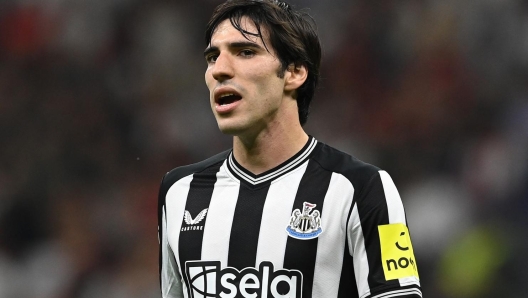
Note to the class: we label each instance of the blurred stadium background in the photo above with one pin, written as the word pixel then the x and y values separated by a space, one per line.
pixel 98 99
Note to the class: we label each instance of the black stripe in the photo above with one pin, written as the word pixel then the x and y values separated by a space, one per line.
pixel 301 254
pixel 245 229
pixel 347 283
pixel 198 199
pixel 373 211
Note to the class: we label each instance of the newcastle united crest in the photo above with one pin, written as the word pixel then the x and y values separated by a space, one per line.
pixel 305 225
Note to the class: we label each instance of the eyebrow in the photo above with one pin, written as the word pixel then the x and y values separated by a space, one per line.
pixel 235 45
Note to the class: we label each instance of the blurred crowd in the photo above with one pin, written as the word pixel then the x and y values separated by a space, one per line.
pixel 98 99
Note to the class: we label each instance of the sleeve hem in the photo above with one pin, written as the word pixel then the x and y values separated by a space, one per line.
pixel 408 291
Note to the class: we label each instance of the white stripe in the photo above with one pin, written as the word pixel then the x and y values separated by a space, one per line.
pixel 215 245
pixel 175 207
pixel 170 278
pixel 394 203
pixel 276 217
pixel 398 293
pixel 356 244
pixel 276 173
pixel 331 243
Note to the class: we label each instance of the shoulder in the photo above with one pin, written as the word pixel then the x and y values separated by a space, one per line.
pixel 178 173
pixel 358 172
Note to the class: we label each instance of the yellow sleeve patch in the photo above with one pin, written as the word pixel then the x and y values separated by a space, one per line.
pixel 397 255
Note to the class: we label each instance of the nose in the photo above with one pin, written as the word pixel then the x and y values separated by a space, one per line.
pixel 222 68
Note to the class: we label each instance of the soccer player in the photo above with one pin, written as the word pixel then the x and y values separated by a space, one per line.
pixel 281 214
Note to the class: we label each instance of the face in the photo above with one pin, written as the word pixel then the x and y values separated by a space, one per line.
pixel 246 92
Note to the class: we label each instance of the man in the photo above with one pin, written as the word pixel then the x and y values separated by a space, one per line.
pixel 281 214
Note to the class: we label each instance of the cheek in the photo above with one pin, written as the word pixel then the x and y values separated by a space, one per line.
pixel 270 86
pixel 265 78
pixel 208 79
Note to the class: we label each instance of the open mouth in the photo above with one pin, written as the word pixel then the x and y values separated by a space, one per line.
pixel 228 98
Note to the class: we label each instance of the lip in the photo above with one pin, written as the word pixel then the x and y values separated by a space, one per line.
pixel 225 108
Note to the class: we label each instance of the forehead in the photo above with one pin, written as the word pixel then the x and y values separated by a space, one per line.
pixel 226 32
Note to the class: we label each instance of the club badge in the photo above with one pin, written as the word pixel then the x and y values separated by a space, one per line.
pixel 305 225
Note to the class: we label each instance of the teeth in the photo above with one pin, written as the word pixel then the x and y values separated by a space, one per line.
pixel 227 94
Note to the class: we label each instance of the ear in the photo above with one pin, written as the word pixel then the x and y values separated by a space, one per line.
pixel 294 77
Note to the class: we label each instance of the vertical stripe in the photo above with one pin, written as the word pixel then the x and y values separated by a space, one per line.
pixel 276 217
pixel 301 254
pixel 243 241
pixel 175 207
pixel 220 219
pixel 373 211
pixel 356 244
pixel 331 243
pixel 167 271
pixel 394 203
pixel 171 282
pixel 347 284
pixel 347 288
pixel 200 192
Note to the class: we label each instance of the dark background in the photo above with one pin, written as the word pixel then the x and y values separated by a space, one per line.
pixel 98 99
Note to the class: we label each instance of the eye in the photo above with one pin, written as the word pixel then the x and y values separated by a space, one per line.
pixel 211 58
pixel 247 53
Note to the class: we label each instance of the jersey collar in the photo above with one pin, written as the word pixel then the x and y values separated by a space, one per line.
pixel 298 159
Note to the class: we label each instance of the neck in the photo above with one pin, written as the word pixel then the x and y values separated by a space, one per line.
pixel 269 148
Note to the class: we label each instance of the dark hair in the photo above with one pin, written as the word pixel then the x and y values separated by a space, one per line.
pixel 292 35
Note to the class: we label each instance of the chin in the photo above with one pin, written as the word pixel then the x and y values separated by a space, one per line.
pixel 230 128
pixel 238 126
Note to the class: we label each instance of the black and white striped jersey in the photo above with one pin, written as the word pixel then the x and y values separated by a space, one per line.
pixel 322 224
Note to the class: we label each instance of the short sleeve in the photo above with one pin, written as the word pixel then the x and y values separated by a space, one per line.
pixel 380 243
